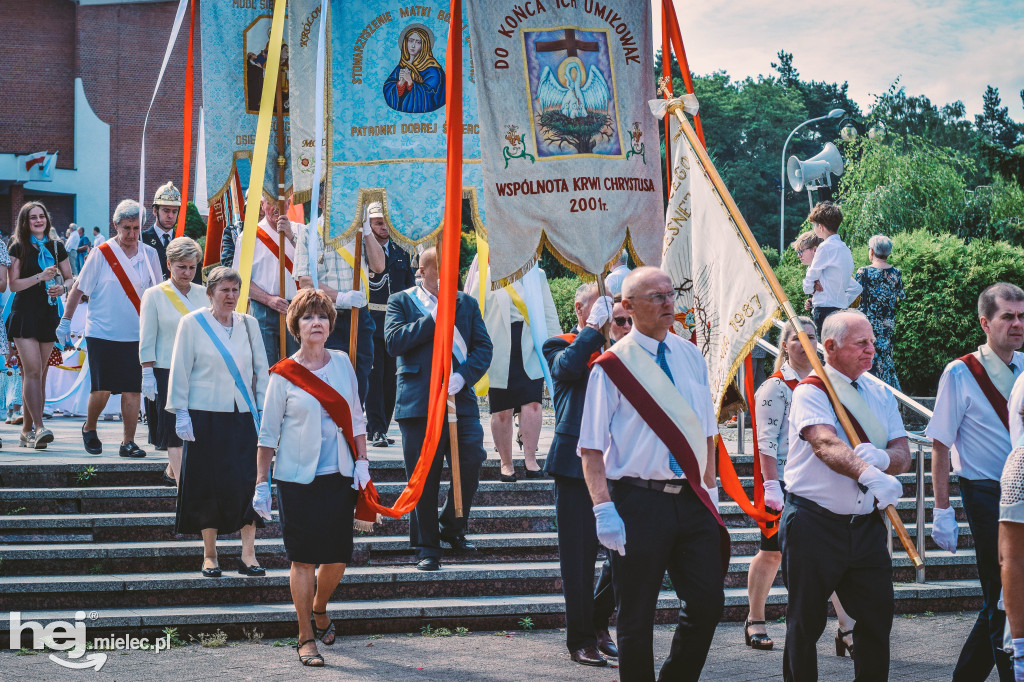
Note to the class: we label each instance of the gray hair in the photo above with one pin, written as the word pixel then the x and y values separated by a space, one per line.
pixel 221 275
pixel 837 325
pixel 988 303
pixel 126 210
pixel 585 290
pixel 880 245
pixel 182 249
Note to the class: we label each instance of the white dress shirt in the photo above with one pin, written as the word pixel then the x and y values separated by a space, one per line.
pixel 111 314
pixel 965 422
pixel 771 409
pixel 332 269
pixel 265 273
pixel 293 418
pixel 159 322
pixel 832 267
pixel 809 477
pixel 613 282
pixel 72 243
pixel 97 239
pixel 1016 406
pixel 611 424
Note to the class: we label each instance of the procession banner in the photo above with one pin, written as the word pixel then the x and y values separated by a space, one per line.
pixel 386 116
pixel 570 154
pixel 302 28
pixel 235 37
pixel 723 303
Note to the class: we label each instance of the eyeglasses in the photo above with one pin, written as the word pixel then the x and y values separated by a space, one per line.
pixel 658 297
pixel 623 321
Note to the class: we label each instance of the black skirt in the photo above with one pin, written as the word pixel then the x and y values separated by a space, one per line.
pixel 34 320
pixel 316 519
pixel 161 422
pixel 521 390
pixel 218 474
pixel 114 365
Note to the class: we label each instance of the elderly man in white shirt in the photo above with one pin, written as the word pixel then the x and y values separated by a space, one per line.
pixel 833 540
pixel 829 279
pixel 973 422
pixel 654 518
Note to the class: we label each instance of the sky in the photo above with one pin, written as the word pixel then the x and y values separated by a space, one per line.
pixel 947 50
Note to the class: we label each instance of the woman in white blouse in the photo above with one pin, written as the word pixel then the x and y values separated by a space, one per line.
pixel 217 418
pixel 316 486
pixel 163 306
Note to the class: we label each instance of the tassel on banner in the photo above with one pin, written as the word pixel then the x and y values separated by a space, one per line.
pixel 671 33
pixel 186 154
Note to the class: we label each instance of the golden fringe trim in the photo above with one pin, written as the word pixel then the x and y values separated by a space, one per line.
pixel 303 196
pixel 365 526
pixel 747 347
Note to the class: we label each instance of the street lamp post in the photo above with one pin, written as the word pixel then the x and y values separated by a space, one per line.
pixel 835 113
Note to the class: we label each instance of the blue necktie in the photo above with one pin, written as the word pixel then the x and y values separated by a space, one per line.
pixel 663 363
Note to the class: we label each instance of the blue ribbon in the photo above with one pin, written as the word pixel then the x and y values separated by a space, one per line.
pixel 229 360
pixel 45 260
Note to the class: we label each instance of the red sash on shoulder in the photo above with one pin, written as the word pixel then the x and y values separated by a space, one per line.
pixel 792 383
pixel 337 408
pixel 275 249
pixel 122 276
pixel 569 338
pixel 818 383
pixel 666 430
pixel 995 398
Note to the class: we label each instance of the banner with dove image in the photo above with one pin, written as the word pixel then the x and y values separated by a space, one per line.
pixel 569 152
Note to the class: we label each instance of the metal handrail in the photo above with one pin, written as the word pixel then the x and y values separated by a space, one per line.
pixel 917 441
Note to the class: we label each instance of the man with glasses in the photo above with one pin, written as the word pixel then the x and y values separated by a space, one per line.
pixel 648 427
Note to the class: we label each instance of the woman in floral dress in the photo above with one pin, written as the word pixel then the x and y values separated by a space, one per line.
pixel 883 290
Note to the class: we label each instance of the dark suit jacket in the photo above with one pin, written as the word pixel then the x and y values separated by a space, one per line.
pixel 569 373
pixel 397 276
pixel 409 336
pixel 149 237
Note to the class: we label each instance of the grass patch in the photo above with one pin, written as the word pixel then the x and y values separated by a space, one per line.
pixel 429 631
pixel 214 641
pixel 461 632
pixel 85 475
pixel 27 652
pixel 254 635
pixel 175 639
pixel 17 510
pixel 526 623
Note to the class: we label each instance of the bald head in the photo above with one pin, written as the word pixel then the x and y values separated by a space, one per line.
pixel 648 297
pixel 642 278
pixel 428 270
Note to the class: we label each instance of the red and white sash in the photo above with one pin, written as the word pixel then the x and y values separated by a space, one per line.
pixel 994 378
pixel 269 242
pixel 123 270
pixel 869 429
pixel 653 395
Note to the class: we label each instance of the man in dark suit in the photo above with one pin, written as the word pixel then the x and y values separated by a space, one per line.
pixel 409 336
pixel 586 610
pixel 397 276
pixel 166 206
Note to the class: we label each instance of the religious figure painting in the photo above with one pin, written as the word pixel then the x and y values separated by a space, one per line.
pixel 572 92
pixel 257 36
pixel 416 85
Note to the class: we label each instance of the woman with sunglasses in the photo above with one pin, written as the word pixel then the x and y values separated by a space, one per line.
pixel 621 323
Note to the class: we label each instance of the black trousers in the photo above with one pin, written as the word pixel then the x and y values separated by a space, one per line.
pixel 823 553
pixel 424 534
pixel 819 314
pixel 380 399
pixel 587 608
pixel 983 648
pixel 678 534
pixel 338 340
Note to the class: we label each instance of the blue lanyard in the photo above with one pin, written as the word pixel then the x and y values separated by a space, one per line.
pixel 229 360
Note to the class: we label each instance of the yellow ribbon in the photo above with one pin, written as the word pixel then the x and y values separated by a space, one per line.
pixel 259 153
pixel 176 301
pixel 518 302
pixel 482 262
pixel 350 259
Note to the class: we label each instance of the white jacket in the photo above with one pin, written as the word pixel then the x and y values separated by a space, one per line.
pixel 200 379
pixel 158 322
pixel 292 423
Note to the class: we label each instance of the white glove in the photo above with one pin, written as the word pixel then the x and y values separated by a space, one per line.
pixel 773 497
pixel 361 474
pixel 713 494
pixel 148 383
pixel 456 383
pixel 874 456
pixel 183 425
pixel 1018 659
pixel 944 528
pixel 886 489
pixel 366 227
pixel 350 299
pixel 611 531
pixel 64 331
pixel 261 500
pixel 601 311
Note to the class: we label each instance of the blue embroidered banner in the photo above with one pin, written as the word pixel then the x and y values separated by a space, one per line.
pixel 387 118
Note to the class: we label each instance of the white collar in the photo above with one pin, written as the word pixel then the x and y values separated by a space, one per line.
pixel 646 342
pixel 788 372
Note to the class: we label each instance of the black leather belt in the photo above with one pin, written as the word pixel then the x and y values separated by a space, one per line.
pixel 814 507
pixel 672 487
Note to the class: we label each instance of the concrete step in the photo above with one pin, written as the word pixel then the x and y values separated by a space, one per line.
pixel 369 616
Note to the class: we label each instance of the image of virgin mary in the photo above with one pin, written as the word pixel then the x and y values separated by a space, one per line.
pixel 416 86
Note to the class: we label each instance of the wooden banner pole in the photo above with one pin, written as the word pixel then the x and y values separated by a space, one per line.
pixel 282 338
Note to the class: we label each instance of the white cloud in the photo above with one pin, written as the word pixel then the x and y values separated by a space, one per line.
pixel 947 50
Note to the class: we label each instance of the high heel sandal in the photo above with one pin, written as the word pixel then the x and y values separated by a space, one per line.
pixel 757 640
pixel 842 648
pixel 312 660
pixel 327 631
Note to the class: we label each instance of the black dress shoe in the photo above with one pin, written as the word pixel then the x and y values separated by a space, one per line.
pixel 391 441
pixel 509 478
pixel 605 644
pixel 589 655
pixel 379 441
pixel 168 481
pixel 530 473
pixel 250 571
pixel 211 572
pixel 460 544
pixel 92 442
pixel 429 563
pixel 130 449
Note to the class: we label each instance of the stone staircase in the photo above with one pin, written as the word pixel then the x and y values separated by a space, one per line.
pixel 102 542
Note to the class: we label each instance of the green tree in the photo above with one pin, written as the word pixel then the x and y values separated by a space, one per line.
pixel 195 226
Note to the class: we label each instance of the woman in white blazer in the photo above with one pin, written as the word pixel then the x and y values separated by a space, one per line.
pixel 316 472
pixel 163 306
pixel 217 419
